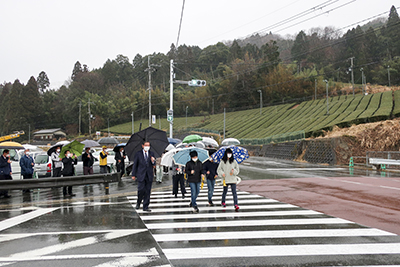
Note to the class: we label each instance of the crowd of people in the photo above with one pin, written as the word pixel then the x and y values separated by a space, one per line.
pixel 194 172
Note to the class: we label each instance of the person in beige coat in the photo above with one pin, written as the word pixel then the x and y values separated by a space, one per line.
pixel 228 169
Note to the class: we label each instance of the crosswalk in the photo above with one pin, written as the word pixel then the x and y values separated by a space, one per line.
pixel 264 232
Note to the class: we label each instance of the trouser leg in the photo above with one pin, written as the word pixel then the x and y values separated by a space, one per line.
pixel 146 197
pixel 234 193
pixel 224 194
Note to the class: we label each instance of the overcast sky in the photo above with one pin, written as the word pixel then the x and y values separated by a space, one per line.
pixel 51 35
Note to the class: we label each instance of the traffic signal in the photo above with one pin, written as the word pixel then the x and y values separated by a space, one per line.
pixel 197 83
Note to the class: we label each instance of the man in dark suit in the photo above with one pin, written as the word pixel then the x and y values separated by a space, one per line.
pixel 5 170
pixel 142 170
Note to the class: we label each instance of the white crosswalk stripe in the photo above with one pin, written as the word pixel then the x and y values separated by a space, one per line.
pixel 263 229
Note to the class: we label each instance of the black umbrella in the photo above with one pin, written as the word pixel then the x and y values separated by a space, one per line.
pixel 118 147
pixel 53 149
pixel 108 141
pixel 157 138
pixel 211 150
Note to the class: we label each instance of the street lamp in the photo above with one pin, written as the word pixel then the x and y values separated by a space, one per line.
pixel 260 100
pixel 327 97
pixel 186 115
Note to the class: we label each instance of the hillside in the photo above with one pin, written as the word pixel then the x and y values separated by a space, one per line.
pixel 308 116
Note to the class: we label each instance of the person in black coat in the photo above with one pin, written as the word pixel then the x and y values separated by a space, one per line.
pixel 69 170
pixel 142 171
pixel 120 161
pixel 5 170
pixel 88 161
pixel 178 179
pixel 194 172
pixel 210 169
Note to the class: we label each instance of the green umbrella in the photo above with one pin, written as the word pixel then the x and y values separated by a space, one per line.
pixel 74 147
pixel 192 138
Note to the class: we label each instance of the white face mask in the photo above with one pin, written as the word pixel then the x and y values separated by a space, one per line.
pixel 146 148
pixel 28 153
pixel 68 155
pixel 194 159
pixel 58 150
pixel 229 155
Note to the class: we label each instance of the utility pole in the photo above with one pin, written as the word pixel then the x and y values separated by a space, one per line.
pixel 171 95
pixel 80 117
pixel 327 97
pixel 90 118
pixel 29 131
pixel 352 74
pixel 108 121
pixel 362 80
pixel 150 69
pixel 186 116
pixel 213 106
pixel 315 97
pixel 260 101
pixel 224 125
pixel 133 121
pixel 388 68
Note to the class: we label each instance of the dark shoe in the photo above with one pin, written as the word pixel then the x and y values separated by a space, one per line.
pixel 210 203
pixel 176 195
pixel 7 196
pixel 196 209
pixel 137 206
pixel 183 196
pixel 147 210
pixel 190 204
pixel 72 195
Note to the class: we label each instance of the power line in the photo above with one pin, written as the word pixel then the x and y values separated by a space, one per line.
pixel 180 24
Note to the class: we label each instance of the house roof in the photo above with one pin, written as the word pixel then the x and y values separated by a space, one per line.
pixel 48 131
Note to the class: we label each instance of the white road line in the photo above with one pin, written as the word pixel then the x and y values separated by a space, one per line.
pixel 270 234
pixel 246 223
pixel 279 251
pixel 169 195
pixel 389 187
pixel 247 207
pixel 149 253
pixel 228 215
pixel 179 198
pixel 73 244
pixel 8 223
pixel 204 203
pixel 9 237
pixel 131 261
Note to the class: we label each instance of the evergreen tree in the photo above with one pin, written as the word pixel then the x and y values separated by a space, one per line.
pixel 392 34
pixel 300 47
pixel 76 71
pixel 235 51
pixel 43 82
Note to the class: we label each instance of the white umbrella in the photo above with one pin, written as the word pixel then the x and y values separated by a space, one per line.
pixel 169 147
pixel 230 142
pixel 210 141
pixel 166 159
pixel 198 144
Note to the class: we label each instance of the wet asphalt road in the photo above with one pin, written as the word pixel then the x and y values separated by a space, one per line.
pixel 44 229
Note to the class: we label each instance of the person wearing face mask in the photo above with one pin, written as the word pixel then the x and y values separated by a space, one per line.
pixel 69 161
pixel 210 169
pixel 5 170
pixel 194 172
pixel 57 163
pixel 228 169
pixel 103 160
pixel 26 163
pixel 142 171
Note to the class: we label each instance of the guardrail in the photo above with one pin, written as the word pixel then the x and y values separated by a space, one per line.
pixel 105 178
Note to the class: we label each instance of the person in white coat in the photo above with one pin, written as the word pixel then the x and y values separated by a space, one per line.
pixel 228 169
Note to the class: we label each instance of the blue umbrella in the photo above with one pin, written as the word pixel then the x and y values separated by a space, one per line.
pixel 182 157
pixel 174 141
pixel 239 153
